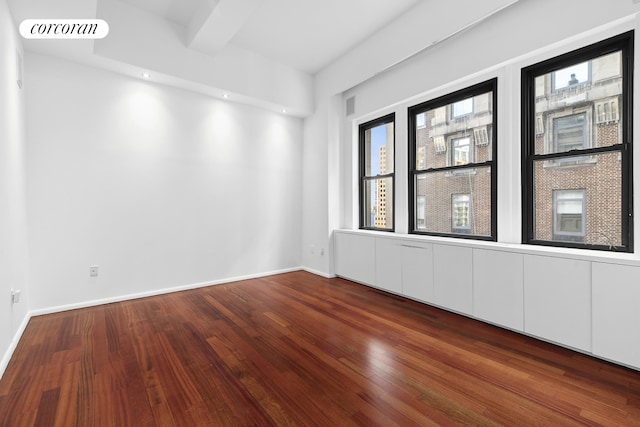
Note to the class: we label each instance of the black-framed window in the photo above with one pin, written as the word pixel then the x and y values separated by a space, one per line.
pixel 377 142
pixel 452 164
pixel 576 136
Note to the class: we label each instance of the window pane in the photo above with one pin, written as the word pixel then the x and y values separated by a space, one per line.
pixel 378 146
pixel 456 201
pixel 460 150
pixel 570 133
pixel 582 203
pixel 421 158
pixel 378 203
pixel 421 209
pixel 462 108
pixel 573 103
pixel 461 213
pixel 569 215
pixel 582 114
pixel 571 76
pixel 441 142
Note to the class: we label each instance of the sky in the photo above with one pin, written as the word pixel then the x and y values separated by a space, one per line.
pixel 378 139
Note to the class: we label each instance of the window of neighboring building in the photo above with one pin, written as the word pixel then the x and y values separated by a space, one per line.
pixel 570 133
pixel 462 108
pixel 377 173
pixel 452 165
pixel 421 157
pixel 421 214
pixel 579 138
pixel 569 215
pixel 460 216
pixel 481 136
pixel 460 151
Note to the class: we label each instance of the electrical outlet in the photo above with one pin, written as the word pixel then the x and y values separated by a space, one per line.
pixel 15 296
pixel 93 271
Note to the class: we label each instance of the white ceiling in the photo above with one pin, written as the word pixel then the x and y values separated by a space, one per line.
pixel 266 53
pixel 178 11
pixel 304 34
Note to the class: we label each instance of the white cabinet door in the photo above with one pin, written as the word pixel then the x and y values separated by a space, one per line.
pixel 388 265
pixel 498 288
pixel 557 295
pixel 453 285
pixel 355 257
pixel 616 313
pixel 417 271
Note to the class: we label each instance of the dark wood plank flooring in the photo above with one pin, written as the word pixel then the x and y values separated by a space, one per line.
pixel 298 349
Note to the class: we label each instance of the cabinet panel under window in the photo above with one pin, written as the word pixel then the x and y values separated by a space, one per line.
pixel 576 148
pixel 452 164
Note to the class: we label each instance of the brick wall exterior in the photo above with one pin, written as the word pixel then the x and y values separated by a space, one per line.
pixel 439 188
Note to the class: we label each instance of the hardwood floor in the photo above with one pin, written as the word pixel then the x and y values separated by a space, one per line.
pixel 297 349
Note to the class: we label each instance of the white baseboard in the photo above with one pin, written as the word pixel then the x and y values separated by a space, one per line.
pixel 154 292
pixel 319 273
pixel 14 343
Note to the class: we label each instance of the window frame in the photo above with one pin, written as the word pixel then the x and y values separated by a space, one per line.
pixel 487 86
pixel 363 178
pixel 623 43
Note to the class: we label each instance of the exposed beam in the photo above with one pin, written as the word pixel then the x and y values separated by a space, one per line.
pixel 215 24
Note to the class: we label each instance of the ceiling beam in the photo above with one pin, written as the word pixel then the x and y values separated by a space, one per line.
pixel 217 21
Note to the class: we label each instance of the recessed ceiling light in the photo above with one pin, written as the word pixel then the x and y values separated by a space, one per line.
pixel 146 75
pixel 284 110
pixel 225 95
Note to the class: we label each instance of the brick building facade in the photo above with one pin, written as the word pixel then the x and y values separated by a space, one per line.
pixel 454 201
pixel 578 199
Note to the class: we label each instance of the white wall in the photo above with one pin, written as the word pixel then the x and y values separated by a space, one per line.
pixel 13 229
pixel 158 186
pixel 315 212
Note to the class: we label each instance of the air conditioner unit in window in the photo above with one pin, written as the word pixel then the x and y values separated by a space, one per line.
pixel 439 144
pixel 481 136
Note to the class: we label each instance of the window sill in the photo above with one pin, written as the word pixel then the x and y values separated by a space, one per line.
pixel 461 172
pixel 568 164
pixel 631 259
